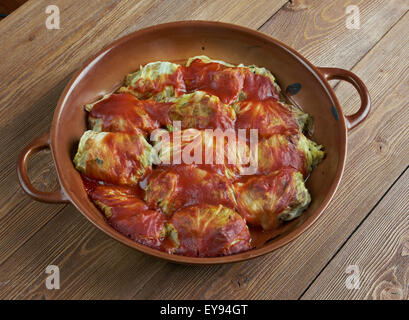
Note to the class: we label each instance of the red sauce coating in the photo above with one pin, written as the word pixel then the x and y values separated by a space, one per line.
pixel 116 159
pixel 123 112
pixel 269 117
pixel 158 111
pixel 266 189
pixel 215 79
pixel 194 186
pixel 280 151
pixel 203 147
pixel 208 113
pixel 258 87
pixel 203 235
pixel 129 214
pixel 89 184
pixel 144 222
pixel 149 88
pixel 227 82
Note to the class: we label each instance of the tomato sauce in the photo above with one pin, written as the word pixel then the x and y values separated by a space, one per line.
pixel 198 237
pixel 152 87
pixel 144 222
pixel 215 79
pixel 227 83
pixel 195 186
pixel 123 112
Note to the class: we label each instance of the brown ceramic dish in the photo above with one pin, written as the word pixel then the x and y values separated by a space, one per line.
pixel 307 85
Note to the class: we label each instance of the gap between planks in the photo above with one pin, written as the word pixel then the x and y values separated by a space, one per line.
pixel 337 82
pixel 273 15
pixel 383 195
pixel 63 206
pixel 352 233
pixel 340 248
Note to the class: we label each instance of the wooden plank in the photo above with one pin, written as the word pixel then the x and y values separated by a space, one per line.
pixel 377 154
pixel 8 6
pixel 95 266
pixel 382 256
pixel 317 29
pixel 43 61
pixel 84 256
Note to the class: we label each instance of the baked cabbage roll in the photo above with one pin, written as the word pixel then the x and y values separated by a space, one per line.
pixel 201 111
pixel 270 117
pixel 208 231
pixel 266 200
pixel 230 83
pixel 122 112
pixel 219 151
pixel 156 80
pixel 128 214
pixel 295 151
pixel 114 157
pixel 185 185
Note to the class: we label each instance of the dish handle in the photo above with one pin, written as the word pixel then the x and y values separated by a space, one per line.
pixel 341 74
pixel 33 147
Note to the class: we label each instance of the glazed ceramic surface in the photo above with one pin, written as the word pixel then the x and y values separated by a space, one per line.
pixel 304 84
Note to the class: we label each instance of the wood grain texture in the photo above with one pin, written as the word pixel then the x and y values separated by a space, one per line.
pixel 317 29
pixel 376 157
pixel 34 235
pixel 8 6
pixel 382 256
pixel 43 62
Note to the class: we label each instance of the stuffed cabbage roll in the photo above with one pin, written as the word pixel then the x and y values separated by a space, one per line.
pixel 230 83
pixel 156 80
pixel 270 117
pixel 208 231
pixel 184 185
pixel 219 151
pixel 295 151
pixel 201 111
pixel 130 215
pixel 265 200
pixel 122 112
pixel 114 157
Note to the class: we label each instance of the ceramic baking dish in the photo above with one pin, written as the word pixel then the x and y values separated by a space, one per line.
pixel 305 84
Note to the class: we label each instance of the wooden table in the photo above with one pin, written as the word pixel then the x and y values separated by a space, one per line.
pixel 365 225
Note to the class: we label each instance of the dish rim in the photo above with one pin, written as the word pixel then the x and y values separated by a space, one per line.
pixel 253 253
